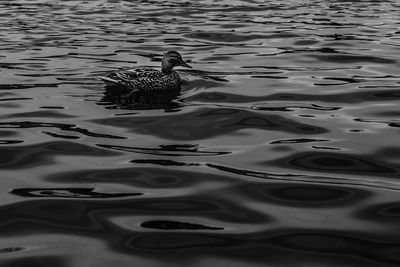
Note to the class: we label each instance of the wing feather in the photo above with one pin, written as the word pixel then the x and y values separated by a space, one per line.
pixel 142 79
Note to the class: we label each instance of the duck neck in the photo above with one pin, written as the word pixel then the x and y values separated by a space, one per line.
pixel 166 67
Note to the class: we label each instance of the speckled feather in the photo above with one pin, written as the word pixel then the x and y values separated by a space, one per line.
pixel 145 79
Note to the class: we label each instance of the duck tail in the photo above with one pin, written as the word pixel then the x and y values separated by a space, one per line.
pixel 109 81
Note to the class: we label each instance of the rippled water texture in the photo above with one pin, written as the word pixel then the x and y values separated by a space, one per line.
pixel 281 150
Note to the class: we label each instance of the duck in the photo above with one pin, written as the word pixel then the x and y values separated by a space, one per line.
pixel 146 80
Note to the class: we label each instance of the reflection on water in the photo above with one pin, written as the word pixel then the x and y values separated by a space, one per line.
pixel 281 149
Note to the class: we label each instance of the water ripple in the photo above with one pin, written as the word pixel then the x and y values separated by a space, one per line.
pixel 281 148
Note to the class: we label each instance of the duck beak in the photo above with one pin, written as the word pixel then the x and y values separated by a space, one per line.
pixel 183 64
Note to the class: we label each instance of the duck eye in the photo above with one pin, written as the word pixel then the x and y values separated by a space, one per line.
pixel 175 61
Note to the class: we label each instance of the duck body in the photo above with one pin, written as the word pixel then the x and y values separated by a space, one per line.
pixel 141 81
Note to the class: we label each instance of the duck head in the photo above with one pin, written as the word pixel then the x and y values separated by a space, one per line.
pixel 170 60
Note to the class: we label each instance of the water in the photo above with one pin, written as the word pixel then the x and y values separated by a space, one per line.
pixel 281 150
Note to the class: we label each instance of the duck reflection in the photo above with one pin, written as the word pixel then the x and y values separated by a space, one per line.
pixel 140 100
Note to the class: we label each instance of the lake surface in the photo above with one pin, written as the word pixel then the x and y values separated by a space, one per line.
pixel 281 150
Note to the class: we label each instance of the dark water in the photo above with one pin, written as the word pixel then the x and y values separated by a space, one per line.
pixel 281 150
